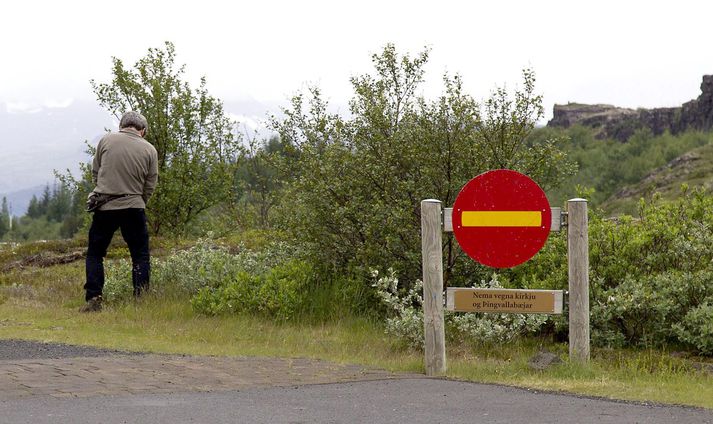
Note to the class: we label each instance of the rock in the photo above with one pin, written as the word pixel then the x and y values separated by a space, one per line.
pixel 543 360
pixel 704 367
pixel 621 123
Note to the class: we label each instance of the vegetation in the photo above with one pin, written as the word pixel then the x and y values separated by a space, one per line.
pixel 609 166
pixel 5 218
pixel 651 284
pixel 58 213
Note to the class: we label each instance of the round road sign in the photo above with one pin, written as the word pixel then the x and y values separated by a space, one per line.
pixel 501 218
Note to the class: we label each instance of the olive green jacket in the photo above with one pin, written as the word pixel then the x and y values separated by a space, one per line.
pixel 125 164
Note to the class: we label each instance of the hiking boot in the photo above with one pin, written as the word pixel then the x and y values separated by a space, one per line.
pixel 93 305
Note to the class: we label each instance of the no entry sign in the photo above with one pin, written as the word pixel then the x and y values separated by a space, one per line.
pixel 501 218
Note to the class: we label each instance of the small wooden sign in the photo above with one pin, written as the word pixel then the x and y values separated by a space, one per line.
pixel 504 300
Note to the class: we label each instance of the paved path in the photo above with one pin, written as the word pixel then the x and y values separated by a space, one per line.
pixel 141 374
pixel 54 385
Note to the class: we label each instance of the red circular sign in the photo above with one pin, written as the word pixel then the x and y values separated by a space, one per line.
pixel 501 218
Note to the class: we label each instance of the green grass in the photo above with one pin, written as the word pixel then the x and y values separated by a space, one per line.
pixel 172 327
pixel 41 304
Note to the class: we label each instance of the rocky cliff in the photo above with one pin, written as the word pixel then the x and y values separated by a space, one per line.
pixel 620 123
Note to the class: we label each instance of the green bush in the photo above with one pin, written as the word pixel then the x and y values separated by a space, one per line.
pixel 644 311
pixel 696 329
pixel 277 293
pixel 117 280
pixel 235 296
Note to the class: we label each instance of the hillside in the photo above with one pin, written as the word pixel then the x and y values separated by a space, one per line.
pixel 693 168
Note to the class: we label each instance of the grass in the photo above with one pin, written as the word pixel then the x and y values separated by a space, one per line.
pixel 41 304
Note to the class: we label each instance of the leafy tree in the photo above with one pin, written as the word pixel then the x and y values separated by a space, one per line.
pixel 358 182
pixel 197 150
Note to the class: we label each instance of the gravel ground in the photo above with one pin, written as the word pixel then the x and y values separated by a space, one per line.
pixel 23 349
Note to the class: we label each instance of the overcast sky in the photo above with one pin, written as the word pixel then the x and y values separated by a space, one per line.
pixel 628 53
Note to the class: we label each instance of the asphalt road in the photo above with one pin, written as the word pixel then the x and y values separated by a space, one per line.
pixel 418 400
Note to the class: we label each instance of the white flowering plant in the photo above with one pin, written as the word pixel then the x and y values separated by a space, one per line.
pixel 405 322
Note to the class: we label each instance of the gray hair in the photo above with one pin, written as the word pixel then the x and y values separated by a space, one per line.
pixel 134 120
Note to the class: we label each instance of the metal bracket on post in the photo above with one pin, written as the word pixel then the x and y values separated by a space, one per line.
pixel 564 219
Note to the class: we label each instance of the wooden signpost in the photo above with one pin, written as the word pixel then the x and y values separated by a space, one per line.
pixel 501 219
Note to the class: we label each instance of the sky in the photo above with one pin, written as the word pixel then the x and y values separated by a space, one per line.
pixel 627 53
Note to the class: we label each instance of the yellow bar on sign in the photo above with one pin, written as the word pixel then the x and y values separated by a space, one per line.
pixel 501 218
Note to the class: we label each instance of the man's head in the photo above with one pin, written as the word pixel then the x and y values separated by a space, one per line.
pixel 134 120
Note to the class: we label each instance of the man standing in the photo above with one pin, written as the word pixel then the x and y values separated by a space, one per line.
pixel 126 168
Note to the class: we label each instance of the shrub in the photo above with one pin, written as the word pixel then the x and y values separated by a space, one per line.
pixel 184 273
pixel 236 295
pixel 276 293
pixel 643 311
pixel 696 329
pixel 117 280
pixel 204 265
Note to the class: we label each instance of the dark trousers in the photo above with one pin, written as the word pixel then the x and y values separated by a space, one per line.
pixel 133 228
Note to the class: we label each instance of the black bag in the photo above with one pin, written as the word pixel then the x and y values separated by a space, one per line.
pixel 96 200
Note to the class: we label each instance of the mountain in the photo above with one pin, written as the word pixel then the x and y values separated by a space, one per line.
pixel 37 141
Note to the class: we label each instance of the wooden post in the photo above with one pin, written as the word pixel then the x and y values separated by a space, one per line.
pixel 432 256
pixel 578 260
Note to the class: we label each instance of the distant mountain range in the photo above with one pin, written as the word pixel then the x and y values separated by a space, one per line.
pixel 34 142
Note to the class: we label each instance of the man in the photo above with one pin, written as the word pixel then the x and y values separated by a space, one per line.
pixel 126 167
